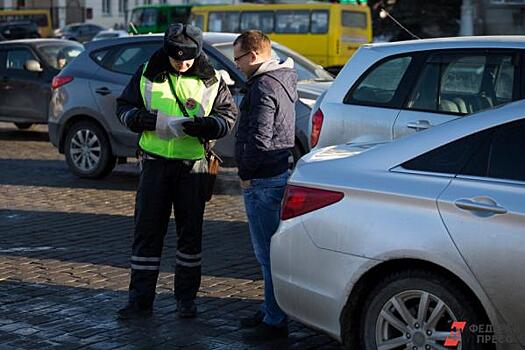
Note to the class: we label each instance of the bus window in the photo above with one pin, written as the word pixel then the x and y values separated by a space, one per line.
pixel 197 20
pixel 290 21
pixel 319 22
pixel 262 20
pixel 149 17
pixel 354 19
pixel 223 22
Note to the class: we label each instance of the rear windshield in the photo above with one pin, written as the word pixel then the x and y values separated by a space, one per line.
pixel 53 52
pixel 354 19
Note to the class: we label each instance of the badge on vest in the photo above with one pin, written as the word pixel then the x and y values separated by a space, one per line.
pixel 191 103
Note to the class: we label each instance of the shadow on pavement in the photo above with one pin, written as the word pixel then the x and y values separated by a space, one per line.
pixel 42 316
pixel 106 240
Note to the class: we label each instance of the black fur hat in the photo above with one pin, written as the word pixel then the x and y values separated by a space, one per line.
pixel 183 41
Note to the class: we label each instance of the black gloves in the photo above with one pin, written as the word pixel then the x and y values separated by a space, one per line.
pixel 140 120
pixel 203 127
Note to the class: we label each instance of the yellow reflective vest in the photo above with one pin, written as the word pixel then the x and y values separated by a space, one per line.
pixel 198 100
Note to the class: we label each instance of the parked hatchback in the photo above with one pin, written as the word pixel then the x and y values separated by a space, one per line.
pixel 82 110
pixel 390 90
pixel 414 244
pixel 27 68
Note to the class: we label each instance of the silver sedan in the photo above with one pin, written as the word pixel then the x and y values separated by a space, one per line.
pixel 413 244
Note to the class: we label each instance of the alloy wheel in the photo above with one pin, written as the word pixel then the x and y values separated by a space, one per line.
pixel 414 320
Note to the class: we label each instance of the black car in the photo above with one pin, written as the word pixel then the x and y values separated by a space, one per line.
pixel 27 68
pixel 19 30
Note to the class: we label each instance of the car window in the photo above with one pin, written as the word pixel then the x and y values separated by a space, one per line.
pixel 450 158
pixel 127 59
pixel 494 153
pixel 262 20
pixel 463 84
pixel 225 21
pixel 502 155
pixel 17 58
pixel 292 21
pixel 57 56
pixel 379 85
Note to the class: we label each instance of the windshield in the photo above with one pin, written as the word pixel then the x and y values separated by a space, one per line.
pixel 144 17
pixel 305 70
pixel 57 56
pixel 106 36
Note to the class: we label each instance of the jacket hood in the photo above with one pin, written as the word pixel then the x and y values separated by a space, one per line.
pixel 159 66
pixel 283 72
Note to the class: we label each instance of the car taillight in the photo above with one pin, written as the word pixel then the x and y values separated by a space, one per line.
pixel 300 200
pixel 317 123
pixel 58 81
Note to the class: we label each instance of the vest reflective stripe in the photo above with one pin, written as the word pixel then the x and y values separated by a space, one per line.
pixel 158 96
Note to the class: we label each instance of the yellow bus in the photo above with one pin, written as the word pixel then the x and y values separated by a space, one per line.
pixel 40 17
pixel 326 33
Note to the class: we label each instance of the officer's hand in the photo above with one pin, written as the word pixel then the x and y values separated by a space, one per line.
pixel 141 120
pixel 204 127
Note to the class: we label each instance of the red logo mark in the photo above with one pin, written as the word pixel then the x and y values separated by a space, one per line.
pixel 455 334
pixel 191 103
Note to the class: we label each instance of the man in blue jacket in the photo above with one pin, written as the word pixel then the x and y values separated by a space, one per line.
pixel 266 133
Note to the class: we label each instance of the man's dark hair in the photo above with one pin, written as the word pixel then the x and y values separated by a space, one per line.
pixel 254 40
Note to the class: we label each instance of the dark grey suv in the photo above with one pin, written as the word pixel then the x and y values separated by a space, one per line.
pixel 82 120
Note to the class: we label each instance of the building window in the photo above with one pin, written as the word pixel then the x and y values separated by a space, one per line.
pixel 20 4
pixel 147 2
pixel 106 7
pixel 163 1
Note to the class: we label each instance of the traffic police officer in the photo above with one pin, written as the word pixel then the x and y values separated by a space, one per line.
pixel 177 82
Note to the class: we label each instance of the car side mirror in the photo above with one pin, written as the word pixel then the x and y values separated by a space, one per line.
pixel 226 77
pixel 33 66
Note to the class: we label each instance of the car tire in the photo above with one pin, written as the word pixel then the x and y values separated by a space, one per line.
pixel 88 151
pixel 294 156
pixel 408 289
pixel 23 126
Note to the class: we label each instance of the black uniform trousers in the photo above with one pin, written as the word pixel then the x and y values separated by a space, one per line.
pixel 163 184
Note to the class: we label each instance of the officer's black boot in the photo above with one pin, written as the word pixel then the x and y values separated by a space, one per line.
pixel 134 312
pixel 186 309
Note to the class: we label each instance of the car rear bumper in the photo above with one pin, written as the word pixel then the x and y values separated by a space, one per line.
pixel 54 133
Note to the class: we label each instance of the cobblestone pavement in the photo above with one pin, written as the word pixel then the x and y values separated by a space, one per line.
pixel 64 252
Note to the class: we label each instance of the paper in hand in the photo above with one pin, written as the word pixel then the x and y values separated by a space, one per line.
pixel 169 127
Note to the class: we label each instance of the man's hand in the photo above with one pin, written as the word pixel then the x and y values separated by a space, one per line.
pixel 245 184
pixel 204 127
pixel 141 120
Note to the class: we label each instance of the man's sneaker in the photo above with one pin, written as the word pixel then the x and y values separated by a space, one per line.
pixel 252 321
pixel 186 309
pixel 133 311
pixel 265 332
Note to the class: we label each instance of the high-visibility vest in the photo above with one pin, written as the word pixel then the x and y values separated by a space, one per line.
pixel 198 100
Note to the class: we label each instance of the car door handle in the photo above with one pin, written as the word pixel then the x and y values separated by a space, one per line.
pixel 472 205
pixel 419 125
pixel 103 91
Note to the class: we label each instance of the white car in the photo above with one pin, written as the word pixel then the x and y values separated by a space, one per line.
pixel 389 90
pixel 110 34
pixel 406 244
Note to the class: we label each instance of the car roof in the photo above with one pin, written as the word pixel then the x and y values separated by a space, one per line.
pixel 209 39
pixel 465 42
pixel 35 42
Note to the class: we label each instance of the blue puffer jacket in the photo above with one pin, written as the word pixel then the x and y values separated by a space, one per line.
pixel 266 129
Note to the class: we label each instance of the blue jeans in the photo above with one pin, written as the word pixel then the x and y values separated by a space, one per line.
pixel 263 206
